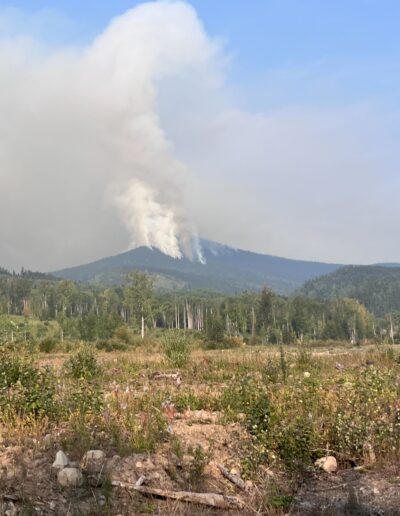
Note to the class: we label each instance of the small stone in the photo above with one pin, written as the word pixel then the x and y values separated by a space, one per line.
pixel 61 460
pixel 328 464
pixel 70 477
pixel 306 374
pixel 93 461
pixel 52 506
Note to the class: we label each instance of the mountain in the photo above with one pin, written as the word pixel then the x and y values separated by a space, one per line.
pixel 376 286
pixel 226 270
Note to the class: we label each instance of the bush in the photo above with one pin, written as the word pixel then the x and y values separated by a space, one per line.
pixel 215 329
pixel 225 343
pixel 176 348
pixel 25 388
pixel 110 345
pixel 247 396
pixel 123 334
pixel 82 365
pixel 47 345
pixel 84 397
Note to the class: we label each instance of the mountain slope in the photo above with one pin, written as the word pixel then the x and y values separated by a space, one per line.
pixel 376 286
pixel 226 270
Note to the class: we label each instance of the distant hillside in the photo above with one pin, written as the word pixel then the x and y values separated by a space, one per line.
pixel 226 270
pixel 376 286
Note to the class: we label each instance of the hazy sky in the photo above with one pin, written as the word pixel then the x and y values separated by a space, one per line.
pixel 266 125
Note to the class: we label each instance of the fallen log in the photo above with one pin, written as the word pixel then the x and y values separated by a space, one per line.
pixel 211 499
pixel 235 479
pixel 166 376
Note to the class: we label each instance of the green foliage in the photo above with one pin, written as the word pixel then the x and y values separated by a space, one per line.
pixel 83 365
pixel 199 463
pixel 215 330
pixel 246 395
pixel 138 296
pixel 376 287
pixel 176 348
pixel 47 345
pixel 26 390
pixel 84 396
pixel 110 345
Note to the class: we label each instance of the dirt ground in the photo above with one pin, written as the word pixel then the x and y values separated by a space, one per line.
pixel 350 493
pixel 28 483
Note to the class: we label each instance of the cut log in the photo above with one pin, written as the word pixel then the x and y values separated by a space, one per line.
pixel 211 499
pixel 235 479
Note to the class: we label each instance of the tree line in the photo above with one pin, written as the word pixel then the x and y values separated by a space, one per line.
pixel 92 313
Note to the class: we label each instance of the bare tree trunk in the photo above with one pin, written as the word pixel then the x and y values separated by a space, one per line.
pixel 253 324
pixel 189 312
pixel 391 329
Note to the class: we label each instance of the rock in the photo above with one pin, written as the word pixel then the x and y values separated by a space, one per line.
pixel 93 461
pixel 306 374
pixel 70 477
pixel 61 460
pixel 328 464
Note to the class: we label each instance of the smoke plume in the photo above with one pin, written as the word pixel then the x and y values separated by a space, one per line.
pixel 85 166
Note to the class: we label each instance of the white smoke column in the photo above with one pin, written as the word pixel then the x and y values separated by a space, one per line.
pixel 151 223
pixel 85 166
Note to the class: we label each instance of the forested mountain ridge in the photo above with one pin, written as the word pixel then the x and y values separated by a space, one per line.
pixel 226 270
pixel 377 287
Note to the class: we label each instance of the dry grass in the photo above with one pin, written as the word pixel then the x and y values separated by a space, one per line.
pixel 253 409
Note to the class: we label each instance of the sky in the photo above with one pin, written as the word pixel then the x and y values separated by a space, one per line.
pixel 269 125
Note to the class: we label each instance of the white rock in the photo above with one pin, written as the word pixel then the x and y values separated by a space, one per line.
pixel 70 477
pixel 61 460
pixel 93 461
pixel 306 374
pixel 328 464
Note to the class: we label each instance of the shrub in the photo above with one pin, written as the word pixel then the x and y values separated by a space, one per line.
pixel 82 365
pixel 84 397
pixel 110 345
pixel 246 395
pixel 225 343
pixel 176 348
pixel 47 345
pixel 25 388
pixel 215 329
pixel 123 334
